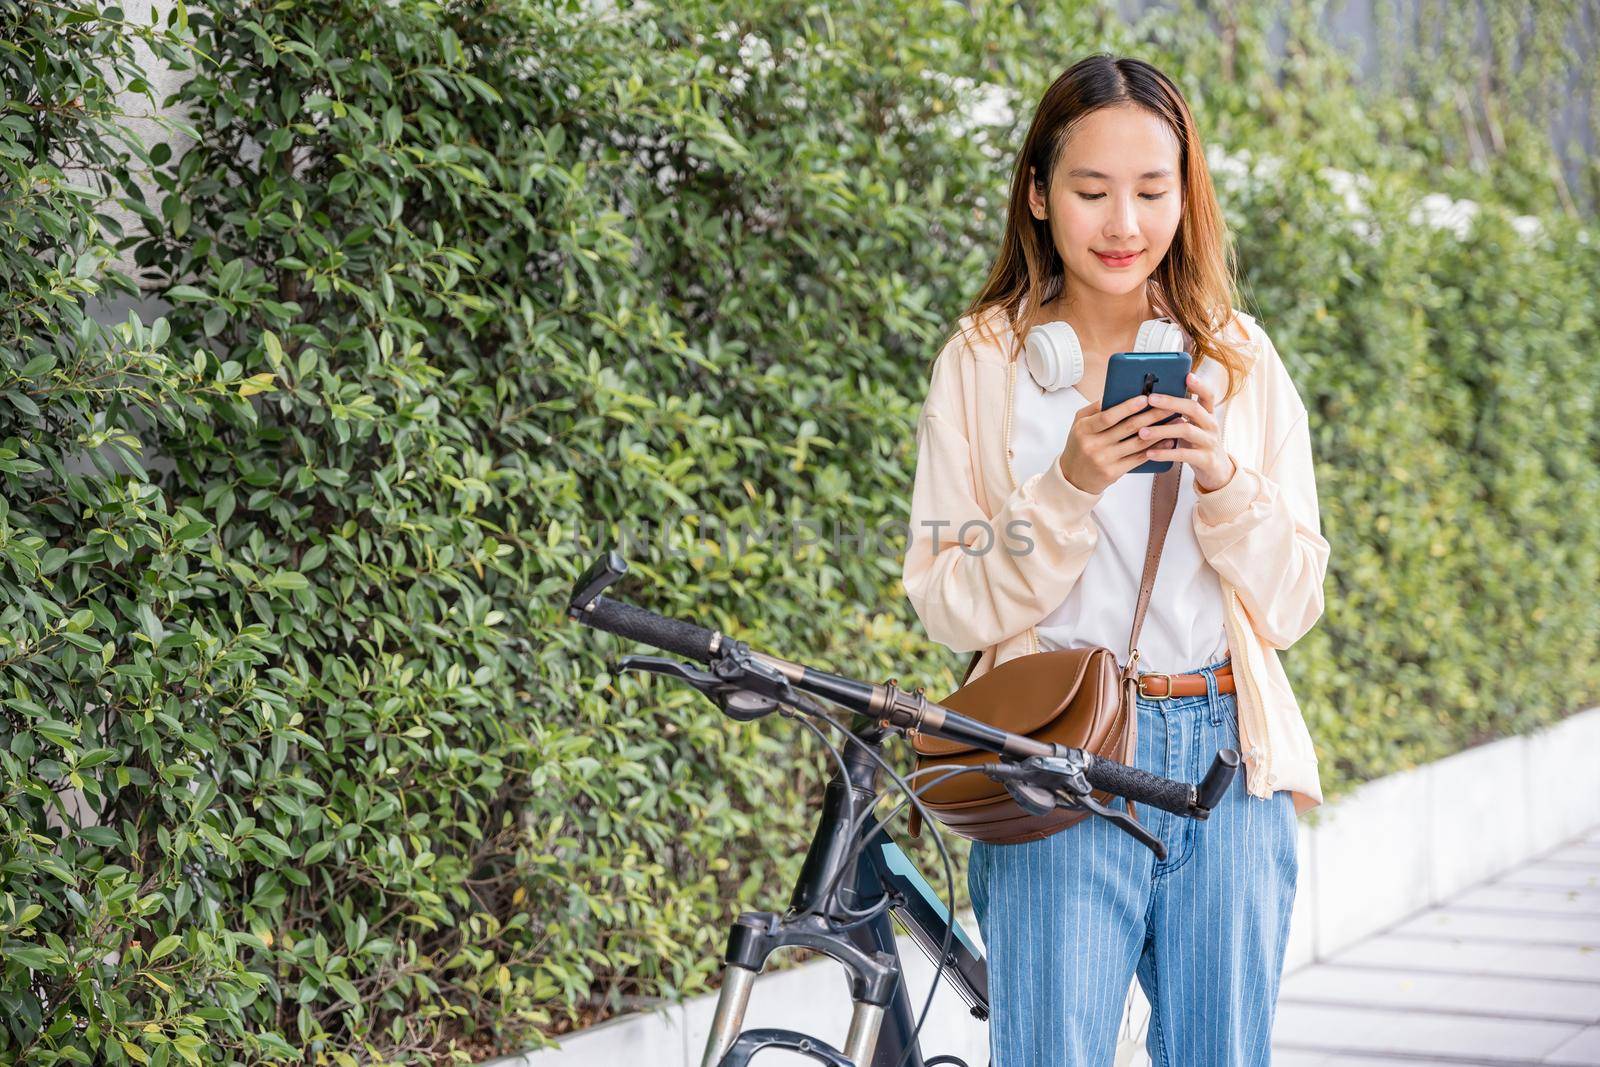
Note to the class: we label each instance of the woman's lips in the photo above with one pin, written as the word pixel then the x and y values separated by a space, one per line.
pixel 1114 263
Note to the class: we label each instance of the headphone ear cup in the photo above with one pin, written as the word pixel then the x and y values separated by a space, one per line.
pixel 1161 335
pixel 1054 356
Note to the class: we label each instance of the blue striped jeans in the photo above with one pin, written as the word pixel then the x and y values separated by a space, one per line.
pixel 1069 920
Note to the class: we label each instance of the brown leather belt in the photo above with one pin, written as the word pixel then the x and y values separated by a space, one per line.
pixel 1183 685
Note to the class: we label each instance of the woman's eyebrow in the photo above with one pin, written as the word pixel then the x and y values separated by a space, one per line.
pixel 1084 172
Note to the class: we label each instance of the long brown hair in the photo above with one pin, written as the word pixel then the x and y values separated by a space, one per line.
pixel 1194 283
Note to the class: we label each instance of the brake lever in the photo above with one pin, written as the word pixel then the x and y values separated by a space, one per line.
pixel 735 701
pixel 1033 799
pixel 1075 793
pixel 1122 821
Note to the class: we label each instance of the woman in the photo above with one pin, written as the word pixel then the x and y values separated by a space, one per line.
pixel 1027 536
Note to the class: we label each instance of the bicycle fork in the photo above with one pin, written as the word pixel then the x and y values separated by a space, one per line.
pixel 754 937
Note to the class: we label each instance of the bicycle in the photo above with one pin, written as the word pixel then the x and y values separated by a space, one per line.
pixel 854 875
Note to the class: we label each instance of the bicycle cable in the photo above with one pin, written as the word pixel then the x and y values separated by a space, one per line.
pixel 861 842
pixel 805 703
pixel 838 757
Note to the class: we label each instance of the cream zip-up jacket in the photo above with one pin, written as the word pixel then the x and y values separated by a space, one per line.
pixel 987 558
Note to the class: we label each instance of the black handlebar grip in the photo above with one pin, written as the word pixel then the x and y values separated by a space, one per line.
pixel 1214 786
pixel 1140 786
pixel 640 624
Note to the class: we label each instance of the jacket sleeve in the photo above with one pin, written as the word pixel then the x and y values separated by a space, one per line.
pixel 1262 531
pixel 976 579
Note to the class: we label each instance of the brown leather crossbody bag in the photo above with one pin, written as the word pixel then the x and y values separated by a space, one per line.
pixel 1076 697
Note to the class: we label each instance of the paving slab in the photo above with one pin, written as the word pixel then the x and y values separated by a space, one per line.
pixel 1417 1033
pixel 1583 1049
pixel 1502 896
pixel 1381 987
pixel 1504 972
pixel 1574 963
pixel 1522 927
pixel 1559 875
pixel 1282 1058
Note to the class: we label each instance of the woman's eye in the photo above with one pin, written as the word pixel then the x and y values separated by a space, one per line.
pixel 1097 196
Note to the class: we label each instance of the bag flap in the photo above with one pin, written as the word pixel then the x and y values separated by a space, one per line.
pixel 1020 695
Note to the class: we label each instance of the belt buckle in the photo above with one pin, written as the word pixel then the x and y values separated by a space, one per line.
pixel 1154 696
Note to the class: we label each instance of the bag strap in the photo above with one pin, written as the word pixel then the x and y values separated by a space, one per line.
pixel 1163 502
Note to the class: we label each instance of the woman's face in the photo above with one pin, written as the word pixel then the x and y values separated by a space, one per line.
pixel 1116 188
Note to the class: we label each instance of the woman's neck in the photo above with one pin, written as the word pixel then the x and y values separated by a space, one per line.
pixel 1105 322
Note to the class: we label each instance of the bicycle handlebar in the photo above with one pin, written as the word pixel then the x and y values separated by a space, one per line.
pixel 1039 762
pixel 1140 786
pixel 641 624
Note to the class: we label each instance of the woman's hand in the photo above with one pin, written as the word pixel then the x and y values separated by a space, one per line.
pixel 1198 440
pixel 1102 446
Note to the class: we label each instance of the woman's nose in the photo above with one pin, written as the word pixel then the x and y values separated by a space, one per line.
pixel 1124 219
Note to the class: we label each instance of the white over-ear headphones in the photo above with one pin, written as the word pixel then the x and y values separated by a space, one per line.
pixel 1055 359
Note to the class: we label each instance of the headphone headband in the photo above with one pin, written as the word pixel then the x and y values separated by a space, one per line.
pixel 1055 357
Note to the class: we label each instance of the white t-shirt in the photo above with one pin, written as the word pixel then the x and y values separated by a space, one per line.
pixel 1183 628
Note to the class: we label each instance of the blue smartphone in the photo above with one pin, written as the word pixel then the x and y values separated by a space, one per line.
pixel 1128 374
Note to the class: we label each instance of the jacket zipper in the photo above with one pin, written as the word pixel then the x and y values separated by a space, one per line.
pixel 1257 727
pixel 1005 433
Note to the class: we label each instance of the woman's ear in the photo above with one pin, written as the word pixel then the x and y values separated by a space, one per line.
pixel 1037 202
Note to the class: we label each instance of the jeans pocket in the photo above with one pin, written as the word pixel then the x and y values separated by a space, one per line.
pixel 1227 721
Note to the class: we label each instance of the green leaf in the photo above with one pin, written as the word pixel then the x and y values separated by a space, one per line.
pixel 83 641
pixel 63 734
pixel 273 346
pixel 164 947
pixel 30 956
pixel 215 319
pixel 286 580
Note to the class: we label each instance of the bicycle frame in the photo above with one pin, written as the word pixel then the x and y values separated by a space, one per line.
pixel 883 1022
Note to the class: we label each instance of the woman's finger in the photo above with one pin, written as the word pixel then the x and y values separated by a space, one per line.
pixel 1182 455
pixel 1132 424
pixel 1175 428
pixel 1128 446
pixel 1165 433
pixel 1203 392
pixel 1183 405
pixel 1099 420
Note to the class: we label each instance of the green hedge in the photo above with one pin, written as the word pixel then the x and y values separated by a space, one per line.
pixel 300 758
